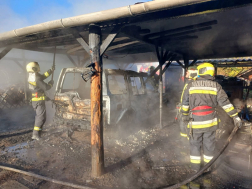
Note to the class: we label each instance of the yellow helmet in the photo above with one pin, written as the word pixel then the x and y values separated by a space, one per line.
pixel 32 67
pixel 206 69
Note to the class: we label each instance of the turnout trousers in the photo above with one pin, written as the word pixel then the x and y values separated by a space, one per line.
pixel 183 130
pixel 205 141
pixel 40 118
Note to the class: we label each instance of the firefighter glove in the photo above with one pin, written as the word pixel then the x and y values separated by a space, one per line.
pixel 237 121
pixel 51 83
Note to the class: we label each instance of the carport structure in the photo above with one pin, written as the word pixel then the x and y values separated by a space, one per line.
pixel 174 30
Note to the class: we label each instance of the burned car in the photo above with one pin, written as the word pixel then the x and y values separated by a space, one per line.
pixel 127 99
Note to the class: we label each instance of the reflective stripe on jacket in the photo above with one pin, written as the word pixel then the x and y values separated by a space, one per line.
pixel 38 88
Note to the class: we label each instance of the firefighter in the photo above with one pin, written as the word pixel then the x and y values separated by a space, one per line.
pixel 38 88
pixel 201 97
pixel 154 78
pixel 191 74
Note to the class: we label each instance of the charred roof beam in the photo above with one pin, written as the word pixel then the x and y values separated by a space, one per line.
pixel 110 38
pixel 182 29
pixel 193 62
pixel 180 64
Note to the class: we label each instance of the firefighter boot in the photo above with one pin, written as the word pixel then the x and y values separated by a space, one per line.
pixel 35 135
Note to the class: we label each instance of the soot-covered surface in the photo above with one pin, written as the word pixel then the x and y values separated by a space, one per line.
pixel 147 158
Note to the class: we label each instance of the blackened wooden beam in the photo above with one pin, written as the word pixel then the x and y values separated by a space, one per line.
pixel 180 64
pixel 84 44
pixel 181 29
pixel 171 58
pixel 4 52
pixel 97 148
pixel 80 39
pixel 133 34
pixel 110 38
pixel 193 62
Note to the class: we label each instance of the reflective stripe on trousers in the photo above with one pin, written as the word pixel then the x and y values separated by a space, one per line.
pixel 38 98
pixel 36 128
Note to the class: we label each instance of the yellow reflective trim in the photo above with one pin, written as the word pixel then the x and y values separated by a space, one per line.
pixel 37 128
pixel 207 181
pixel 39 98
pixel 46 74
pixel 194 185
pixel 203 92
pixel 185 109
pixel 183 134
pixel 207 160
pixel 229 109
pixel 187 138
pixel 183 187
pixel 203 126
pixel 196 161
pixel 183 92
pixel 234 115
pixel 33 83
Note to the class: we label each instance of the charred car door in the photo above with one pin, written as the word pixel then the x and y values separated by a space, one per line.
pixel 118 94
pixel 72 95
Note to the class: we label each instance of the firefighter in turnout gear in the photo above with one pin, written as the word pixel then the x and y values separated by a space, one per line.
pixel 38 88
pixel 191 75
pixel 155 78
pixel 201 97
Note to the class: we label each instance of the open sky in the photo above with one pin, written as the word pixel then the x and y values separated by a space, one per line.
pixel 21 13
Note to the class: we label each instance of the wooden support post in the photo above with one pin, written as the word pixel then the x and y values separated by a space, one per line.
pixel 97 148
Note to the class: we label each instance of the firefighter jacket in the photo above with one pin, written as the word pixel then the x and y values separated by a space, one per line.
pixel 201 97
pixel 38 86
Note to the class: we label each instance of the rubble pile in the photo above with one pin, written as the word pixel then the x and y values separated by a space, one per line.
pixel 12 97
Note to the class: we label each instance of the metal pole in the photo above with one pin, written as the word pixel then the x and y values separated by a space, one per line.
pixel 161 95
pixel 97 148
pixel 186 62
pixel 25 82
pixel 25 77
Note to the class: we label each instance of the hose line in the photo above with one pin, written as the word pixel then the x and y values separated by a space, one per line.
pixel 207 165
pixel 45 178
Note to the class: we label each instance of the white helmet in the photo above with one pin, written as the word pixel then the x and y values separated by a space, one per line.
pixel 32 67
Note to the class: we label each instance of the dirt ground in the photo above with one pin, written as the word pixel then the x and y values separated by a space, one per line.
pixel 148 158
